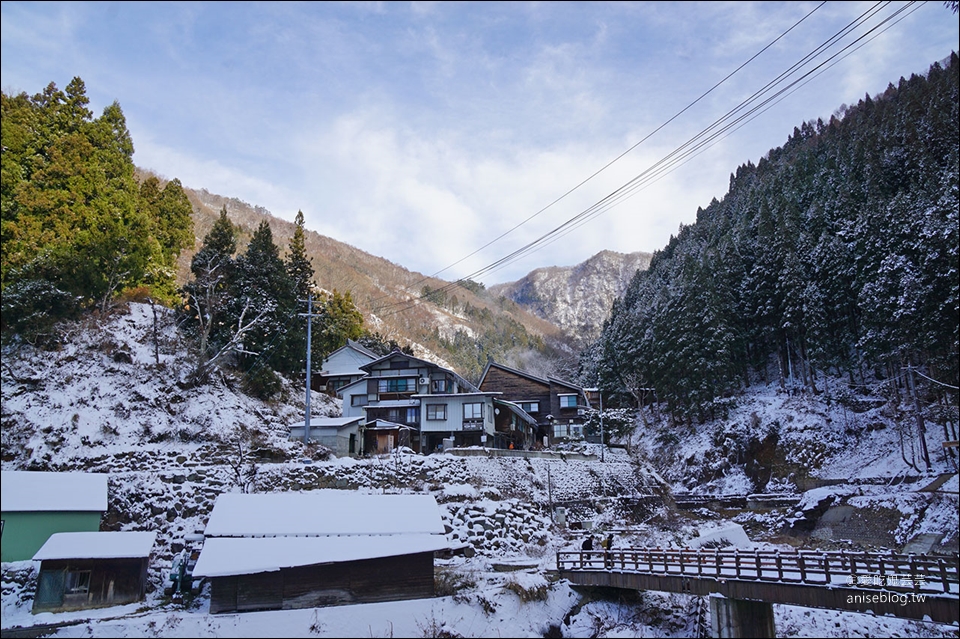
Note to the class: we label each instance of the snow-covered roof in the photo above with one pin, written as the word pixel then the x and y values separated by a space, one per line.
pixel 515 409
pixel 221 557
pixel 322 512
pixel 34 491
pixel 328 422
pixel 96 545
pixel 383 424
pixel 463 396
pixel 398 403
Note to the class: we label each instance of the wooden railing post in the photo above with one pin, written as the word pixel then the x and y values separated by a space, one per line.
pixel 943 575
pixel 913 572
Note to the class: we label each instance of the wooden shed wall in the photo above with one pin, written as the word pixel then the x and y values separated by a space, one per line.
pixel 113 582
pixel 365 581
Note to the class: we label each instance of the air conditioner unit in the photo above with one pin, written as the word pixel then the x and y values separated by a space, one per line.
pixel 423 380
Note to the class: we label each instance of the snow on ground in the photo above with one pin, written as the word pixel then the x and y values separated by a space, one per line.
pixel 114 400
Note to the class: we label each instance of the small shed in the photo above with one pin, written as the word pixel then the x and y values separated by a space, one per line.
pixel 286 551
pixel 81 570
pixel 339 434
pixel 37 504
pixel 381 436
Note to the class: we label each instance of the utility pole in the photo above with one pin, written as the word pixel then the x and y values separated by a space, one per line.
pixel 599 391
pixel 306 417
pixel 600 395
pixel 921 428
pixel 549 491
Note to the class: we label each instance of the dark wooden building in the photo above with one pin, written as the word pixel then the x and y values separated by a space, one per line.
pixel 287 551
pixel 556 405
pixel 514 427
pixel 83 570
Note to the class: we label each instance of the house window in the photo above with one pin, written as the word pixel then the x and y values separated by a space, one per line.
pixel 436 411
pixel 568 431
pixel 358 400
pixel 568 401
pixel 396 385
pixel 413 415
pixel 530 407
pixel 473 411
pixel 440 386
pixel 393 415
pixel 78 582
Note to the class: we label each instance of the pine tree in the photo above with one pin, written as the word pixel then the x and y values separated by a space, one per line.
pixel 263 289
pixel 340 321
pixel 300 270
pixel 206 296
pixel 298 263
pixel 72 221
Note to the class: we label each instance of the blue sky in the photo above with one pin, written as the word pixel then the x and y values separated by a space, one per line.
pixel 422 132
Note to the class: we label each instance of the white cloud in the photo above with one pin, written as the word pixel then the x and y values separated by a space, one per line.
pixel 421 133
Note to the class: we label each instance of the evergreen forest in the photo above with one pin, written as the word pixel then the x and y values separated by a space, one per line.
pixel 82 232
pixel 835 256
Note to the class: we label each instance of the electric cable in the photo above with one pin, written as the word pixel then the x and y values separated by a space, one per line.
pixel 619 157
pixel 693 146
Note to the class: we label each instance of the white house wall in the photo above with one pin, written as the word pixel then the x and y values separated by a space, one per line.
pixel 345 361
pixel 454 420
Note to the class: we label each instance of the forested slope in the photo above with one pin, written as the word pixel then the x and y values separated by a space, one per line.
pixel 835 254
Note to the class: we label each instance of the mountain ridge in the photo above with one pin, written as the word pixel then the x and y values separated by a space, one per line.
pixel 404 305
pixel 577 298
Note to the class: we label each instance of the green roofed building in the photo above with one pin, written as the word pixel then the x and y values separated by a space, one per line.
pixel 36 505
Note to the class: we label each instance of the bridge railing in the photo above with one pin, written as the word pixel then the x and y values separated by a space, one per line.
pixel 888 571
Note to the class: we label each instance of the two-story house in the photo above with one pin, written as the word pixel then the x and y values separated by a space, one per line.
pixel 342 367
pixel 556 405
pixel 407 401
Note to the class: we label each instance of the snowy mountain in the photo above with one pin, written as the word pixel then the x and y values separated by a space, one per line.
pixel 576 298
pixel 433 316
pixel 115 399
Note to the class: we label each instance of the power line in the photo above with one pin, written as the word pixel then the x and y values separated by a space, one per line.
pixel 930 379
pixel 644 139
pixel 657 172
pixel 619 157
pixel 670 162
pixel 696 144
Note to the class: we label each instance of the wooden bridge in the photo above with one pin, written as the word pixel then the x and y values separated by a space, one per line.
pixel 910 586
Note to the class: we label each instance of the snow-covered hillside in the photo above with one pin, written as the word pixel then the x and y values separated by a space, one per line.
pixel 114 399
